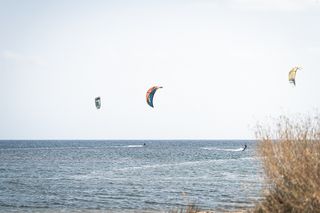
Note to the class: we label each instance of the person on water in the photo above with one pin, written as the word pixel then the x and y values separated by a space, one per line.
pixel 144 144
pixel 244 148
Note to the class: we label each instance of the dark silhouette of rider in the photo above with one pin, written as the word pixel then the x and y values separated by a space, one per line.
pixel 244 148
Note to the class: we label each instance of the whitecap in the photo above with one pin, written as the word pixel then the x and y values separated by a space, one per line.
pixel 134 146
pixel 226 150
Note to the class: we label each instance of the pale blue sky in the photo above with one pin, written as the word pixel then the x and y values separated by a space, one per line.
pixel 223 65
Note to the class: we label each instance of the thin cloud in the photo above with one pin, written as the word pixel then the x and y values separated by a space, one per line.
pixel 258 5
pixel 315 50
pixel 277 5
pixel 21 59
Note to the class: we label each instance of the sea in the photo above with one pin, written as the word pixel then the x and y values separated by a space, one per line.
pixel 128 175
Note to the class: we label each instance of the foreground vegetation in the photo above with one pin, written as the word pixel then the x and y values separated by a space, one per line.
pixel 189 209
pixel 290 156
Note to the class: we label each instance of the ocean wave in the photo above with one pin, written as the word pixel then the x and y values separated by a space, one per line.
pixel 187 163
pixel 134 146
pixel 226 150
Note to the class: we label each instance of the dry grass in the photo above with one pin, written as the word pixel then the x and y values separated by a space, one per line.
pixel 189 209
pixel 290 155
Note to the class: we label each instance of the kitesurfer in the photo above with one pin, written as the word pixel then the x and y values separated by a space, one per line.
pixel 245 147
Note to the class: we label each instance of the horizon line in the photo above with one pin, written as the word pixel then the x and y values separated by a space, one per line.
pixel 232 139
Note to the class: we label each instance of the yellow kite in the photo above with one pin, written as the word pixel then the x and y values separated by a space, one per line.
pixel 292 75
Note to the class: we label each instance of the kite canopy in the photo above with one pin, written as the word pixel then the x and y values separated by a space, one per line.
pixel 150 95
pixel 97 101
pixel 292 75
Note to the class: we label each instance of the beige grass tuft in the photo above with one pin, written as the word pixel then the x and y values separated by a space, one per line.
pixel 290 155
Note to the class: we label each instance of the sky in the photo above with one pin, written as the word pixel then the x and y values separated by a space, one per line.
pixel 223 65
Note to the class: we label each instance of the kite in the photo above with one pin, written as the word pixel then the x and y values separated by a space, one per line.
pixel 150 95
pixel 97 101
pixel 292 75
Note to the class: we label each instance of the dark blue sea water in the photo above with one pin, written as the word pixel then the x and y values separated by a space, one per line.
pixel 125 176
